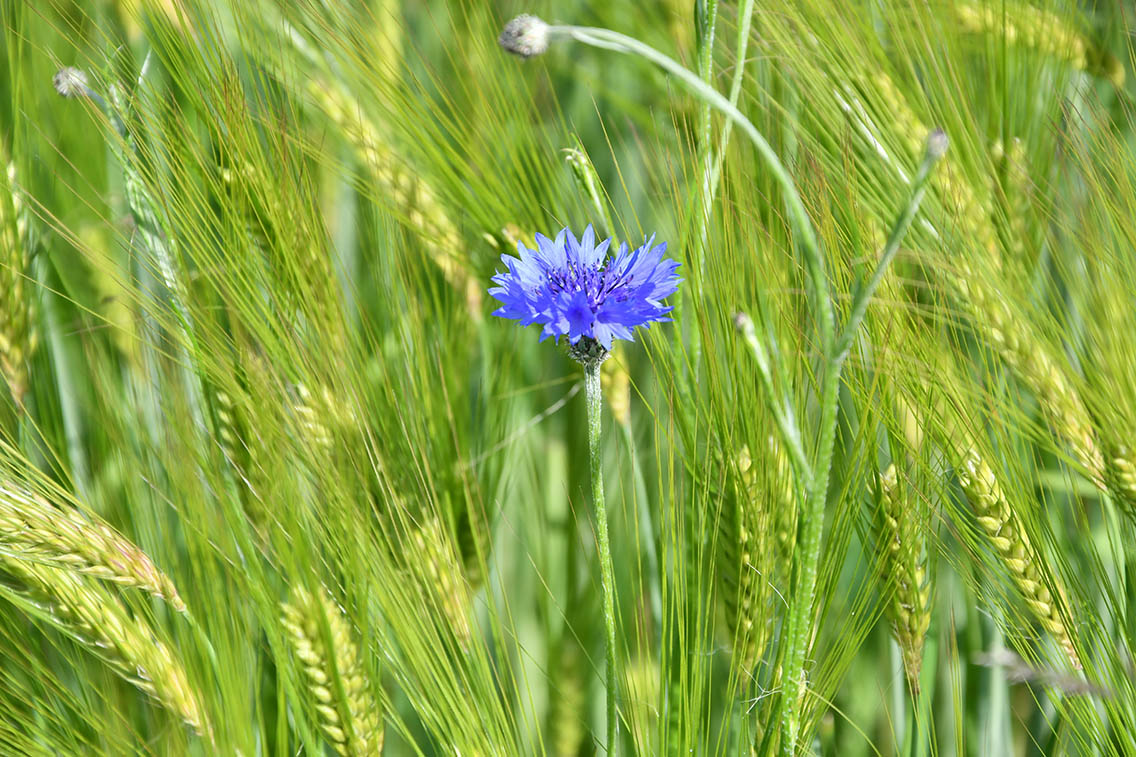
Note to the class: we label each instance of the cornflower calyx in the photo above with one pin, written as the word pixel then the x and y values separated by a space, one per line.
pixel 573 288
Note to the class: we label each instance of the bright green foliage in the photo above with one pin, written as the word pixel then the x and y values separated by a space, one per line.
pixel 275 482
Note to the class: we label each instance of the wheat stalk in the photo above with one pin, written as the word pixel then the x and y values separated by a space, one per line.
pixel 322 640
pixel 31 529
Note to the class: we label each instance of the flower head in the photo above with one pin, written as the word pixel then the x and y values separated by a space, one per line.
pixel 575 289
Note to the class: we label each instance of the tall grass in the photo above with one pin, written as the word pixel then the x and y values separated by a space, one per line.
pixel 274 481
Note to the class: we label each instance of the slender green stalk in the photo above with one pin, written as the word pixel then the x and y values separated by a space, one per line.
pixel 706 23
pixel 594 397
pixel 812 521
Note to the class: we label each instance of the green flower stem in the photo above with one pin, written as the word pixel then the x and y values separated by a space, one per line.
pixel 594 397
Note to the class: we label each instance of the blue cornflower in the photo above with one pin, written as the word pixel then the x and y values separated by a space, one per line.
pixel 574 289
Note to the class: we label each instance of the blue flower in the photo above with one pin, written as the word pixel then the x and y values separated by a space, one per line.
pixel 574 289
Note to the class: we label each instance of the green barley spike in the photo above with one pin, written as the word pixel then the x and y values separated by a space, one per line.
pixel 1004 530
pixel 89 613
pixel 568 703
pixel 18 334
pixel 322 640
pixel 903 565
pixel 1044 32
pixel 1014 340
pixel 748 546
pixel 32 529
pixel 438 569
pixel 1010 336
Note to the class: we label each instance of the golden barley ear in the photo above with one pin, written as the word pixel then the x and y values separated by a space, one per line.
pixel 1004 530
pixel 341 697
pixel 903 568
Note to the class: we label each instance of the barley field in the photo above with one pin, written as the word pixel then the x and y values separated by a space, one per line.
pixel 477 378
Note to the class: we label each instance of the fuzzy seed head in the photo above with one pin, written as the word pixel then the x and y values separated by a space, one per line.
pixel 526 36
pixel 70 82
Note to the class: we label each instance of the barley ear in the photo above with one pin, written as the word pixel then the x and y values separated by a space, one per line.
pixel 88 613
pixel 1122 476
pixel 321 639
pixel 439 572
pixel 642 680
pixel 569 701
pixel 18 334
pixel 1012 338
pixel 969 205
pixel 903 564
pixel 426 216
pixel 747 545
pixel 616 385
pixel 1045 32
pixel 1004 530
pixel 32 529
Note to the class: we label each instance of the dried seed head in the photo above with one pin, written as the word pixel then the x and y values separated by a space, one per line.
pixel 71 82
pixel 525 35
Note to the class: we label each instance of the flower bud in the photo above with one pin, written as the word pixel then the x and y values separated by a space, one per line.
pixel 525 35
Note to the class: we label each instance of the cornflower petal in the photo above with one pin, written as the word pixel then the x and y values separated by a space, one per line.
pixel 575 289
